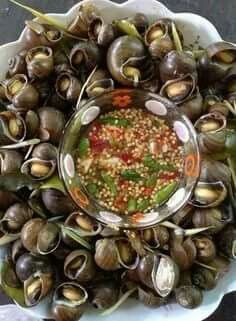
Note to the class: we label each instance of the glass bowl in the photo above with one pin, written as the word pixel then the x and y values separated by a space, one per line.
pixel 129 98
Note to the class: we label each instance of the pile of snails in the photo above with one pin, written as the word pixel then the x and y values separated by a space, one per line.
pixel 55 250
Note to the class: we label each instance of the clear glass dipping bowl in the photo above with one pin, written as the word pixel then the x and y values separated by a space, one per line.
pixel 129 98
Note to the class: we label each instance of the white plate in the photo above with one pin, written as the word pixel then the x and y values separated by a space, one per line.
pixel 194 28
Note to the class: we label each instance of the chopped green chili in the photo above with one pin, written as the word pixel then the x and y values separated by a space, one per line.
pixel 109 181
pixel 163 195
pixel 120 122
pixel 143 205
pixel 155 166
pixel 92 189
pixel 131 175
pixel 151 181
pixel 132 205
pixel 83 146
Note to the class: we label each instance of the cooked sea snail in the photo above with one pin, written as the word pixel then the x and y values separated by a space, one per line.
pixel 69 301
pixel 42 163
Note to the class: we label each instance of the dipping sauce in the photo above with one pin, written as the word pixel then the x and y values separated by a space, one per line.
pixel 129 160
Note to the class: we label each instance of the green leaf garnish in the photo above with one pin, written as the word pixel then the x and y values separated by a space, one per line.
pixel 131 175
pixel 25 143
pixel 109 181
pixel 53 182
pixel 16 294
pixel 83 147
pixel 176 38
pixel 74 234
pixel 15 181
pixel 49 20
pixel 128 28
pixel 164 194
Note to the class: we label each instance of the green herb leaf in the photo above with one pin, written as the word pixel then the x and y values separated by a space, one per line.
pixel 131 175
pixel 92 189
pixel 83 147
pixel 49 20
pixel 132 205
pixel 119 122
pixel 177 41
pixel 53 182
pixel 16 294
pixel 164 194
pixel 109 181
pixel 15 181
pixel 74 234
pixel 143 205
pixel 128 28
